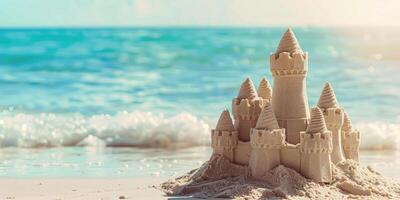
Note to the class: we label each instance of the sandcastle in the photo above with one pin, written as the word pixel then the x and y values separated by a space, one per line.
pixel 274 146
pixel 275 126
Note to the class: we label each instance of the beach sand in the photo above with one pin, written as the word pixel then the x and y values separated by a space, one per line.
pixel 219 178
pixel 81 189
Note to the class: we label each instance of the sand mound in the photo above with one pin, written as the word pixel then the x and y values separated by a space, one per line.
pixel 219 178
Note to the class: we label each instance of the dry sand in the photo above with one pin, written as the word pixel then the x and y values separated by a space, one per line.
pixel 219 178
pixel 57 189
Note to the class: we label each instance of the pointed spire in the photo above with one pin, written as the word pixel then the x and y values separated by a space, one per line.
pixel 225 122
pixel 247 90
pixel 267 119
pixel 264 89
pixel 328 98
pixel 347 126
pixel 317 122
pixel 288 43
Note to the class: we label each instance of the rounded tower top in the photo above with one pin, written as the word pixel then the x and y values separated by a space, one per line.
pixel 328 98
pixel 264 89
pixel 317 122
pixel 225 122
pixel 267 119
pixel 289 43
pixel 247 90
pixel 347 126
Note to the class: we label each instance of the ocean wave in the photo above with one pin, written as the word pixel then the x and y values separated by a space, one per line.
pixel 142 129
pixel 379 135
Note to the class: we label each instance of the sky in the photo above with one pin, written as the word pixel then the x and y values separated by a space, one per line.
pixel 88 13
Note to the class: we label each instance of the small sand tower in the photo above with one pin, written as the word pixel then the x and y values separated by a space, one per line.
pixel 333 115
pixel 224 137
pixel 351 139
pixel 289 67
pixel 266 140
pixel 316 149
pixel 246 108
pixel 264 89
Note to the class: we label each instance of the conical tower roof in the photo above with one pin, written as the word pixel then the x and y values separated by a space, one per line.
pixel 328 98
pixel 225 122
pixel 288 43
pixel 317 122
pixel 264 89
pixel 347 126
pixel 267 119
pixel 247 90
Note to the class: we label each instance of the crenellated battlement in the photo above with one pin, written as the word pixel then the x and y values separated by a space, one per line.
pixel 286 64
pixel 333 117
pixel 224 139
pixel 246 109
pixel 351 144
pixel 268 139
pixel 351 140
pixel 316 143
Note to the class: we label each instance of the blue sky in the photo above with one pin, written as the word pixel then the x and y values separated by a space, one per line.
pixel 20 13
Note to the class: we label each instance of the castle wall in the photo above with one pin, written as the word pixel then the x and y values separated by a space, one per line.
pixel 290 156
pixel 242 153
pixel 262 160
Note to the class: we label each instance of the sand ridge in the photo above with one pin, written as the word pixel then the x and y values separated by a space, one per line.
pixel 219 178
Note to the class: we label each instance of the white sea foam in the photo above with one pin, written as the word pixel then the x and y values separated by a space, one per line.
pixel 142 129
pixel 379 135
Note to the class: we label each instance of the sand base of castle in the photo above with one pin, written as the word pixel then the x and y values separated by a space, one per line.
pixel 219 178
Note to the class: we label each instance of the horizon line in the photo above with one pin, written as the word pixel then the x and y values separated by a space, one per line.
pixel 191 26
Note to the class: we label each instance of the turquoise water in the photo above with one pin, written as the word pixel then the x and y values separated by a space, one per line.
pixel 98 71
pixel 149 87
pixel 79 162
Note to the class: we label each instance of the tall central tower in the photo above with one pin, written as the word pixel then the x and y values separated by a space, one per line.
pixel 289 66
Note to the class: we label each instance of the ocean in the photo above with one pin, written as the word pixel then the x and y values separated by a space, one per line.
pixel 140 102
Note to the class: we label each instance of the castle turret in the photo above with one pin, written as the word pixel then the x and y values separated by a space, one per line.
pixel 351 139
pixel 266 140
pixel 289 67
pixel 316 149
pixel 264 89
pixel 333 115
pixel 246 108
pixel 224 137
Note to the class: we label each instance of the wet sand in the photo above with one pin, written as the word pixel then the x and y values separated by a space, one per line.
pixel 81 189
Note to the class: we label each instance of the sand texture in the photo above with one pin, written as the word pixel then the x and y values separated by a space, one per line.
pixel 80 189
pixel 219 178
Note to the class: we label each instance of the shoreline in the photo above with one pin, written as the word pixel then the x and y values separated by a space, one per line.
pixel 145 188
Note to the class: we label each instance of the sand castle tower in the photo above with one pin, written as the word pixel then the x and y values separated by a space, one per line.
pixel 333 115
pixel 316 149
pixel 351 139
pixel 289 65
pixel 264 89
pixel 246 108
pixel 266 140
pixel 224 137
